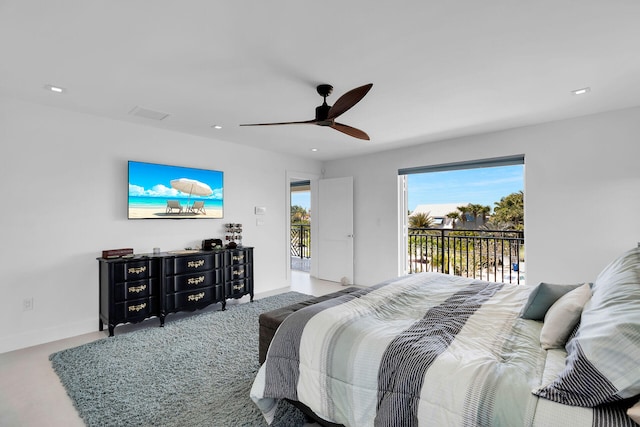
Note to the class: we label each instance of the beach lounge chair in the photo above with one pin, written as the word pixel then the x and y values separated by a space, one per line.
pixel 173 204
pixel 197 207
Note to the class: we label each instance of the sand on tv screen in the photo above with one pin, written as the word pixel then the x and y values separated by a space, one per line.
pixel 163 191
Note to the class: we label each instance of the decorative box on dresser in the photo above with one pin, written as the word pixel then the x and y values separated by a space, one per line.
pixel 135 289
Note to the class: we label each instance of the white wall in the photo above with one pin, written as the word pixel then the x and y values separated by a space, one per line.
pixel 582 194
pixel 64 182
pixel 64 186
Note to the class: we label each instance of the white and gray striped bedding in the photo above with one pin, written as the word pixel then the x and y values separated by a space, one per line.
pixel 425 349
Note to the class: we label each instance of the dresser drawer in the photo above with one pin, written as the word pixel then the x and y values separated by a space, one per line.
pixel 192 300
pixel 133 270
pixel 237 272
pixel 133 290
pixel 238 256
pixel 237 288
pixel 135 310
pixel 188 282
pixel 192 264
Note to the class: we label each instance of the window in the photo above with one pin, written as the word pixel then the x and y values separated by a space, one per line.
pixel 465 219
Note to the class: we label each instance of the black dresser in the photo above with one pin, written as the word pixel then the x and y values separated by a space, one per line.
pixel 134 289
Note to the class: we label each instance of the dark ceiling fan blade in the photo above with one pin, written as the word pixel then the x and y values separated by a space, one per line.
pixel 351 131
pixel 348 100
pixel 306 122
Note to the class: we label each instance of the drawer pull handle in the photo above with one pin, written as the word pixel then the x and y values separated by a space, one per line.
pixel 195 280
pixel 195 297
pixel 138 307
pixel 137 270
pixel 138 289
pixel 238 272
pixel 238 257
pixel 195 264
pixel 238 287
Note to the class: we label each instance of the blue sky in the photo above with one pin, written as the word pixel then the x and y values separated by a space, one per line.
pixel 301 198
pixel 149 179
pixel 483 186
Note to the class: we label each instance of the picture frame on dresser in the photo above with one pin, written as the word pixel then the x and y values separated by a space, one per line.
pixel 137 288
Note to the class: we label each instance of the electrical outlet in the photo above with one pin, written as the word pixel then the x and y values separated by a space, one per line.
pixel 27 304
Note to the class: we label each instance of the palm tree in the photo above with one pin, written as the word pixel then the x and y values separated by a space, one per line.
pixel 456 217
pixel 478 211
pixel 481 211
pixel 299 215
pixel 420 220
pixel 509 211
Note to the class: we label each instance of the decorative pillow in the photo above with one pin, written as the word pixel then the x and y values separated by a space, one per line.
pixel 602 359
pixel 562 317
pixel 634 412
pixel 542 298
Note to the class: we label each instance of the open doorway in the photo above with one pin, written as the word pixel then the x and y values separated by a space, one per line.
pixel 311 190
pixel 300 229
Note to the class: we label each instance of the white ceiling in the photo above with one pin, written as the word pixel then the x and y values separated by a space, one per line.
pixel 440 69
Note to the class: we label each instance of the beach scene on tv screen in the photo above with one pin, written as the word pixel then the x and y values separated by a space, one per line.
pixel 164 191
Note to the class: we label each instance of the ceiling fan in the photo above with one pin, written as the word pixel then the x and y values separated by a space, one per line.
pixel 326 114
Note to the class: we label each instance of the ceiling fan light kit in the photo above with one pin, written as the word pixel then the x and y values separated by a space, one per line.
pixel 326 114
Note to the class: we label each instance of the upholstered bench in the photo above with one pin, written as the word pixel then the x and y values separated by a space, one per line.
pixel 270 320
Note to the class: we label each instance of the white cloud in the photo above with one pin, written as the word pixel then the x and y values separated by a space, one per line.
pixel 217 193
pixel 136 190
pixel 160 190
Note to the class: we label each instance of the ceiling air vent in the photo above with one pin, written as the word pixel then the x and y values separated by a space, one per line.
pixel 148 114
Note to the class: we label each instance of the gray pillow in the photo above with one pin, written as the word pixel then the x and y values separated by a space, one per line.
pixel 543 297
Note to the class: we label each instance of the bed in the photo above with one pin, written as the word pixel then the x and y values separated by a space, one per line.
pixel 441 350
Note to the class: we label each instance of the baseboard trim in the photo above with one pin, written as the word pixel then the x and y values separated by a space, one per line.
pixel 46 335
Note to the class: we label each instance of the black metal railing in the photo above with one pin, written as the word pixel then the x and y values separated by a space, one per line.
pixel 494 255
pixel 301 240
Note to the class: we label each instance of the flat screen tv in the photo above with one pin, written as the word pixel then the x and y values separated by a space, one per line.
pixel 163 191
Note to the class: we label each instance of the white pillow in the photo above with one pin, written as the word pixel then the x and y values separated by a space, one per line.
pixel 634 412
pixel 563 316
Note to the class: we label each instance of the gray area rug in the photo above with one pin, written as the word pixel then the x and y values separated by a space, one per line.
pixel 196 371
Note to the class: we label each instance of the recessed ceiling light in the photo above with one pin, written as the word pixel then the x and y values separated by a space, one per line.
pixel 216 127
pixel 581 91
pixel 56 89
pixel 314 149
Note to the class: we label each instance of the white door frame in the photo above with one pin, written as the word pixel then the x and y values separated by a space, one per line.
pixel 313 179
pixel 403 225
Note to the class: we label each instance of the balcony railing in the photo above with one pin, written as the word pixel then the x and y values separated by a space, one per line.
pixel 301 240
pixel 493 255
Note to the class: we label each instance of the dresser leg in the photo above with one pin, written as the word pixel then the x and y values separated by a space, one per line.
pixel 111 328
pixel 162 321
pixel 100 325
pixel 224 305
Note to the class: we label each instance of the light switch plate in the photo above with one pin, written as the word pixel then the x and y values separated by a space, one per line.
pixel 260 210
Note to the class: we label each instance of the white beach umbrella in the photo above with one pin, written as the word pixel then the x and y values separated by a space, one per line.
pixel 191 187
